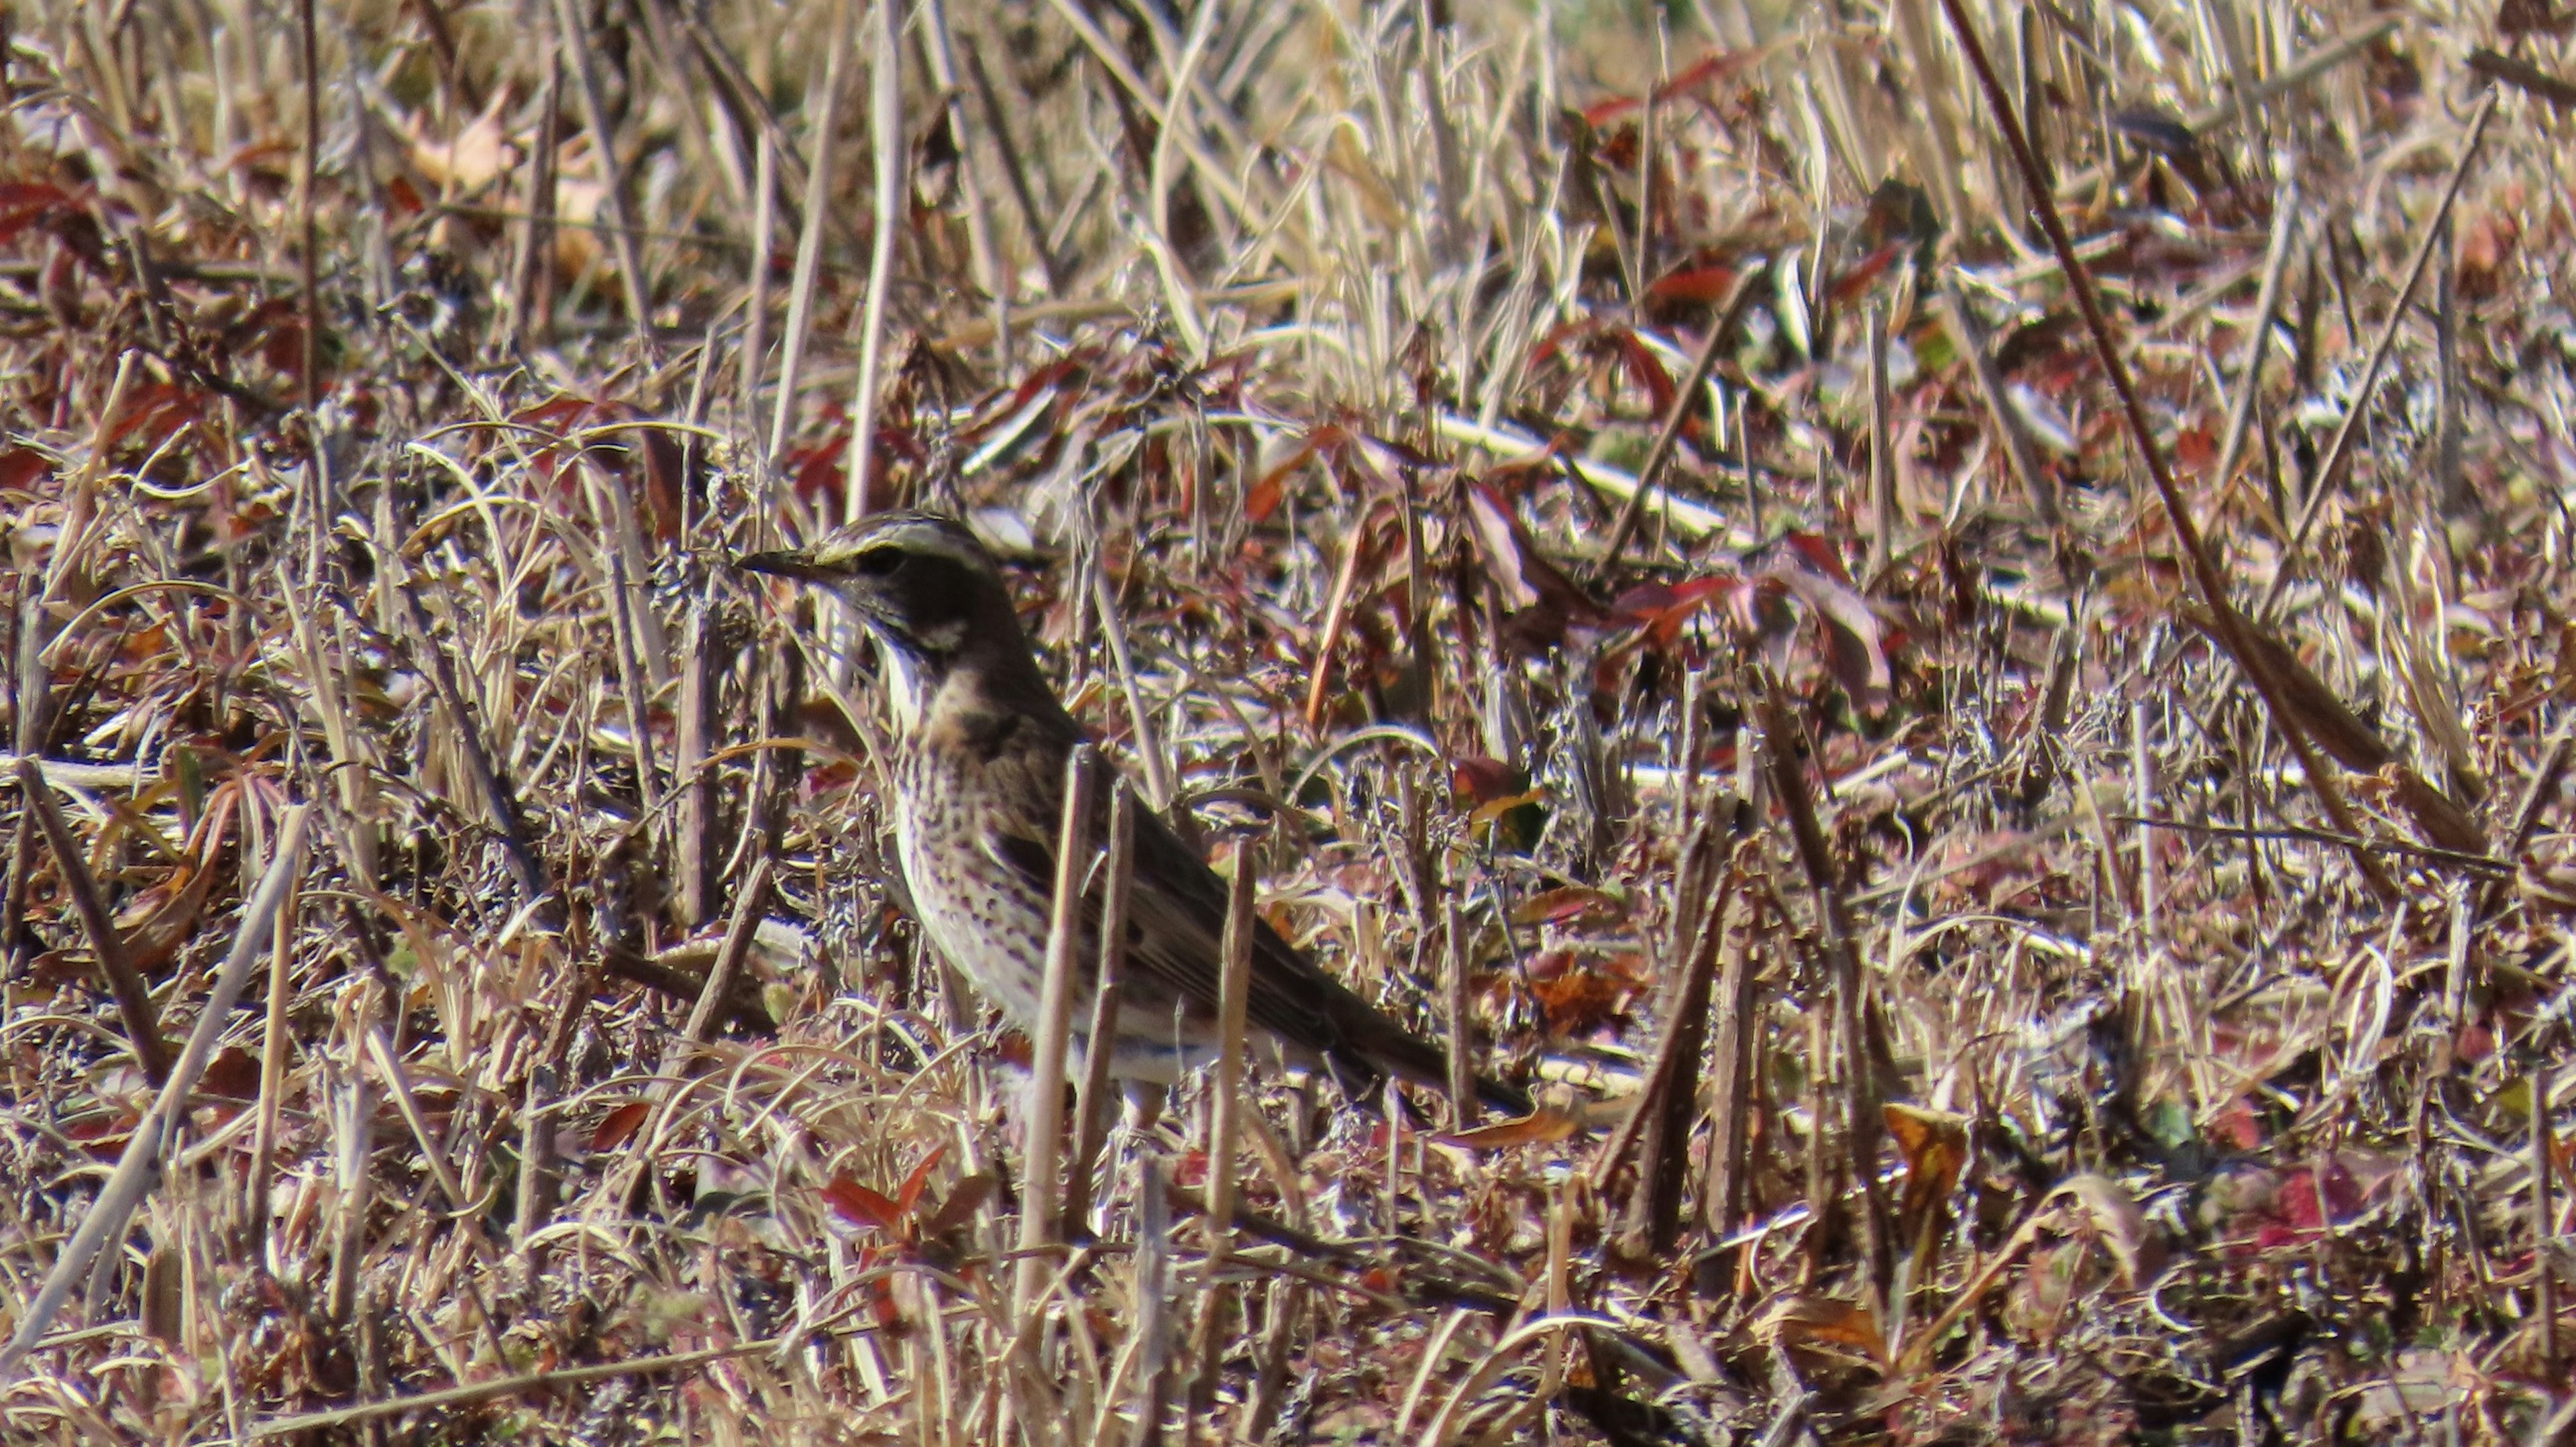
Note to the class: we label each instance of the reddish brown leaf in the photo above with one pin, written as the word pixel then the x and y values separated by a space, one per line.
pixel 860 1206
pixel 620 1125
pixel 1540 1127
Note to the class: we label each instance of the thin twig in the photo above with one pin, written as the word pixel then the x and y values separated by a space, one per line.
pixel 133 994
pixel 1038 1198
pixel 2330 472
pixel 1685 402
pixel 153 1134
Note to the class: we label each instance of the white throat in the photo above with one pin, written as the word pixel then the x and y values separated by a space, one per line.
pixel 907 691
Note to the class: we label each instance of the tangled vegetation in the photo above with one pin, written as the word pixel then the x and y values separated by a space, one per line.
pixel 1948 626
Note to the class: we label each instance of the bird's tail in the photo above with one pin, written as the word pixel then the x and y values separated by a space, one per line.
pixel 1374 1047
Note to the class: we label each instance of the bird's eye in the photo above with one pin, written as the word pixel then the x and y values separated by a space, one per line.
pixel 877 563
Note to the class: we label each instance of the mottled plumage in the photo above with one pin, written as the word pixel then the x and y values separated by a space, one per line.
pixel 980 748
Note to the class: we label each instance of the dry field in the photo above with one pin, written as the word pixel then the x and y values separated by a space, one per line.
pixel 1946 623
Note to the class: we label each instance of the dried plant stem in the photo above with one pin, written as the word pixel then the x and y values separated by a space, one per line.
pixel 992 272
pixel 1462 1034
pixel 2234 632
pixel 1863 1124
pixel 2329 478
pixel 693 855
pixel 1108 991
pixel 1686 401
pixel 133 994
pixel 2258 346
pixel 1038 1190
pixel 1234 991
pixel 1731 1104
pixel 2544 1222
pixel 157 1131
pixel 272 1070
pixel 750 902
pixel 633 286
pixel 2037 487
pixel 1652 1223
pixel 1151 1292
pixel 309 261
pixel 764 238
pixel 809 239
pixel 885 127
pixel 553 1378
pixel 1882 453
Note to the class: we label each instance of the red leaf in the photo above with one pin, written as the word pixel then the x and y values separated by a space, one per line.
pixel 1704 285
pixel 1854 652
pixel 1481 780
pixel 961 1204
pixel 909 1196
pixel 818 471
pixel 25 203
pixel 233 1072
pixel 620 1125
pixel 1868 269
pixel 1646 370
pixel 860 1206
pixel 20 466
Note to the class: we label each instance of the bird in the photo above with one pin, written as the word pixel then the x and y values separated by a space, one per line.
pixel 978 753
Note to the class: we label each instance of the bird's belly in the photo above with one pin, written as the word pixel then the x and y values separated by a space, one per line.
pixel 980 918
pixel 984 919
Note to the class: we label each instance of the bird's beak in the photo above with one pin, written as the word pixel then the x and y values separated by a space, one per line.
pixel 795 563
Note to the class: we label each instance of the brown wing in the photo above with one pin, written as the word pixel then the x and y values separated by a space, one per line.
pixel 1176 924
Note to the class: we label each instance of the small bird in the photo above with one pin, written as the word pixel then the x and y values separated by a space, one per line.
pixel 979 762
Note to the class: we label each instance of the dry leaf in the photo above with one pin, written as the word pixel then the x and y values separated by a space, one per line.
pixel 1544 1126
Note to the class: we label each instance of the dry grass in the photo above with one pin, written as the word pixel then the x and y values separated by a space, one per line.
pixel 2011 812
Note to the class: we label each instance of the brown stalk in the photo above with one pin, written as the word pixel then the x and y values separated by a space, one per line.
pixel 2036 485
pixel 309 261
pixel 1882 457
pixel 532 283
pixel 2348 46
pixel 885 129
pixel 1014 169
pixel 671 973
pixel 694 847
pixel 551 1379
pixel 353 1141
pixel 272 1073
pixel 2523 74
pixel 632 282
pixel 1038 1190
pixel 1462 1029
pixel 750 904
pixel 1234 992
pixel 2544 1223
pixel 500 801
pixel 1864 1122
pixel 2207 580
pixel 1152 1292
pixel 764 238
pixel 1356 555
pixel 825 99
pixel 133 994
pixel 634 690
pixel 2258 346
pixel 2329 478
pixel 157 1131
pixel 1685 400
pixel 1653 1220
pixel 1100 1046
pixel 1731 1101
pixel 992 273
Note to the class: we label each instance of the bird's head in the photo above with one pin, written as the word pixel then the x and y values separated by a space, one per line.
pixel 924 587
